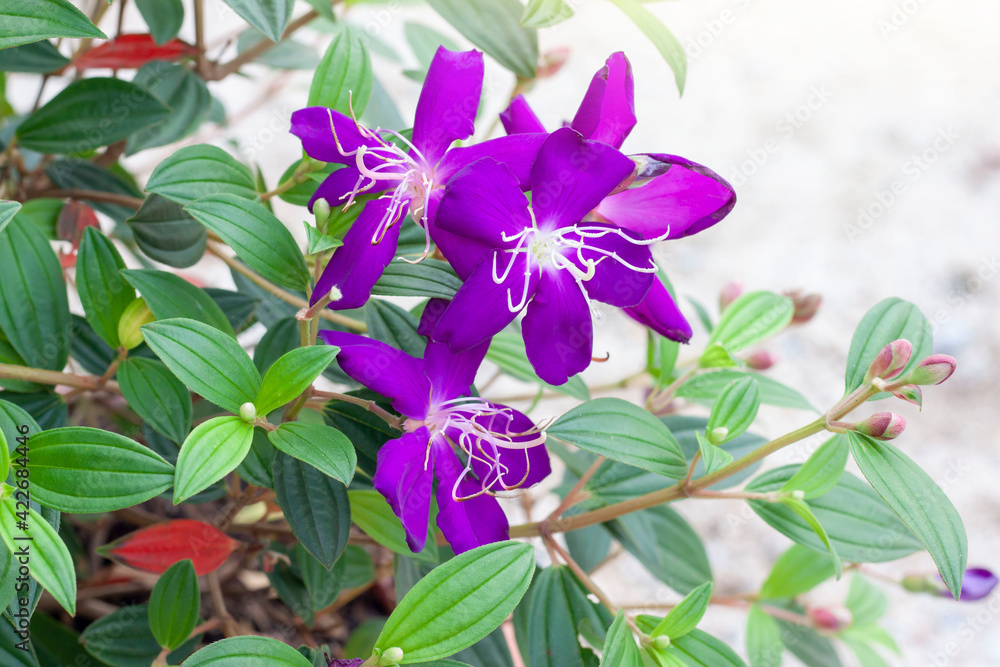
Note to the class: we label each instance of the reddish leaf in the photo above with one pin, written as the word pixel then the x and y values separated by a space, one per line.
pixel 75 217
pixel 156 548
pixel 132 52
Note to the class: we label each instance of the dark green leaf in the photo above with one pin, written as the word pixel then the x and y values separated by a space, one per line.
pixel 700 649
pixel 494 26
pixel 507 352
pixel 322 585
pixel 34 310
pixel 343 79
pixel 38 57
pixel 8 355
pixel 197 171
pixel 554 614
pixel 812 648
pixel 208 361
pixel 316 507
pixel 256 467
pixel 212 451
pixel 180 89
pixel 29 22
pixel 919 502
pixel 58 645
pixel 268 16
pixel 620 649
pixel 103 293
pixel 76 174
pixel 164 18
pixel 23 656
pixel 238 308
pixel 157 396
pixel 165 232
pixel 8 209
pixel 714 456
pixel 391 324
pixel 90 349
pixel 174 605
pixel 805 512
pixel 89 113
pixel 291 375
pixel 365 430
pixel 123 639
pixel 170 296
pixel 47 407
pixel 323 447
pixel 51 564
pixel 429 278
pixel 890 319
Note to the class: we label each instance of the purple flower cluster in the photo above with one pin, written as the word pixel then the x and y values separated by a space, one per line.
pixel 539 223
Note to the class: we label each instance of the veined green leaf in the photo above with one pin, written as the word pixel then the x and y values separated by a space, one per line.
pixel 183 91
pixel 751 318
pixel 292 374
pixel 157 396
pixel 620 649
pixel 197 171
pixel 372 514
pixel 507 351
pixel 170 296
pixel 494 26
pixel 103 293
pixel 323 447
pixel 429 278
pixel 734 410
pixel 316 506
pixel 764 643
pixel 802 508
pixel 660 36
pixel 8 209
pixel 684 618
pixel 51 564
pixel 343 79
pixel 822 470
pixel 174 605
pixel 212 451
pixel 29 22
pixel 796 571
pixel 889 320
pixel 268 16
pixel 165 232
pixel 705 388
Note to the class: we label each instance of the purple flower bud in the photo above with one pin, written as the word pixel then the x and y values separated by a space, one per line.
pixel 762 360
pixel 806 305
pixel 353 662
pixel 935 369
pixel 881 426
pixel 830 620
pixel 977 583
pixel 910 393
pixel 890 361
pixel 729 293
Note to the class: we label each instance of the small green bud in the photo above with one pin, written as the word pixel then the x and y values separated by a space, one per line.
pixel 718 435
pixel 799 494
pixel 248 412
pixel 321 209
pixel 391 656
pixel 133 317
pixel 660 642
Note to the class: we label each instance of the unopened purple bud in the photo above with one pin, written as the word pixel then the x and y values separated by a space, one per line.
pixel 805 304
pixel 881 426
pixel 910 393
pixel 890 361
pixel 762 360
pixel 830 620
pixel 935 369
pixel 729 293
pixel 977 583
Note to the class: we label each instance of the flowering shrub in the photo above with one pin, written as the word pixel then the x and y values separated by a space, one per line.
pixel 304 436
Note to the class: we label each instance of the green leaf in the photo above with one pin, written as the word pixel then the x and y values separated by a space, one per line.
pixel 700 649
pixel 256 467
pixel 164 18
pixel 494 26
pixel 866 602
pixel 890 319
pixel 34 310
pixel 343 79
pixel 391 324
pixel 689 433
pixel 802 508
pixel 87 114
pixel 822 470
pixel 429 278
pixel 764 643
pixel 197 171
pixel 170 296
pixel 716 356
pixel 157 396
pixel 268 16
pixel 292 374
pixel 372 514
pixel 660 36
pixel 459 602
pixel 180 89
pixel 813 649
pixel 588 546
pixel 38 57
pixel 507 351
pixel 29 22
pixel 620 649
pixel 706 387
pixel 165 232
pixel 51 564
pixel 56 644
pixel 212 451
pixel 316 507
pixel 259 238
pixel 865 653
pixel 103 293
pixel 555 609
pixel 735 409
pixel 666 545
pixel 323 447
pixel 685 617
pixel 861 527
pixel 365 430
pixel 174 605
pixel 714 456
pixel 84 470
pixel 751 318
pixel 79 174
pixel 919 502
pixel 796 571
pixel 424 41
pixel 4 460
pixel 545 13
pixel 208 361
pixel 322 585
pixel 8 209
pixel 619 430
pixel 238 308
pixel 123 639
pixel 318 242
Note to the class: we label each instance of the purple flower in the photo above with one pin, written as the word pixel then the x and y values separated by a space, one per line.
pixel 502 448
pixel 408 175
pixel 977 583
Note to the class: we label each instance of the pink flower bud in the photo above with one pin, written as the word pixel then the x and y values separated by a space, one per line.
pixel 762 360
pixel 881 426
pixel 830 620
pixel 806 305
pixel 935 369
pixel 910 393
pixel 729 293
pixel 890 361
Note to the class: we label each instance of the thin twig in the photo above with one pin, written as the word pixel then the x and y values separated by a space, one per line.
pixel 222 70
pixel 42 376
pixel 371 406
pixel 92 195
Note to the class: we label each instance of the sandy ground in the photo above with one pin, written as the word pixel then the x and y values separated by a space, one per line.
pixel 863 143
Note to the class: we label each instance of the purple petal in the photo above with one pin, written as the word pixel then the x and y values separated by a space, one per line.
pixel 558 332
pixel 483 202
pixel 404 475
pixel 462 253
pixel 518 118
pixel 358 264
pixel 481 307
pixel 467 520
pixel 522 464
pixel 516 152
pixel 676 201
pixel 977 584
pixel 384 369
pixel 316 126
pixel 659 312
pixel 571 176
pixel 615 281
pixel 452 373
pixel 429 317
pixel 448 102
pixel 336 187
pixel 607 112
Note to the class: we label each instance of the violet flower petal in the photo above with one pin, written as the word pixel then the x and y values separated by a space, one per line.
pixel 384 369
pixel 516 152
pixel 518 118
pixel 519 466
pixel 462 253
pixel 357 265
pixel 614 282
pixel 404 475
pixel 483 202
pixel 452 373
pixel 659 312
pixel 557 329
pixel 471 522
pixel 607 112
pixel 313 126
pixel 448 102
pixel 571 176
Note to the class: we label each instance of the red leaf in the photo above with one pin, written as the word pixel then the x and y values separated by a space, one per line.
pixel 75 217
pixel 156 548
pixel 132 52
